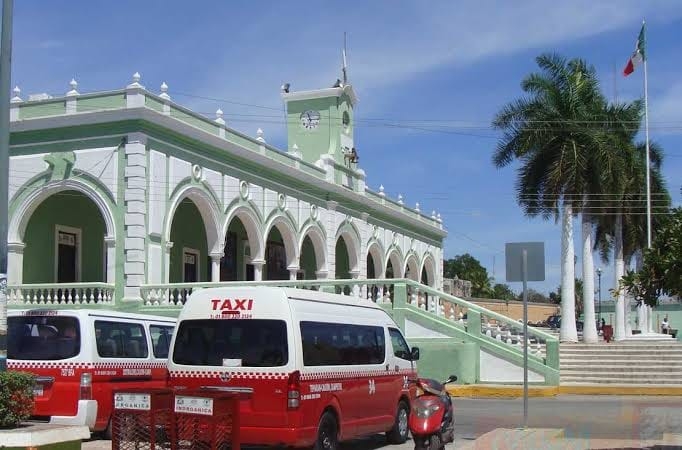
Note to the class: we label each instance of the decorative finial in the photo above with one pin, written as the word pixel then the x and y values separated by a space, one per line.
pixel 416 208
pixel 285 88
pixel 74 84
pixel 438 218
pixel 17 93
pixel 164 91
pixel 433 214
pixel 219 117
pixel 259 134
pixel 400 199
pixel 381 191
pixel 136 81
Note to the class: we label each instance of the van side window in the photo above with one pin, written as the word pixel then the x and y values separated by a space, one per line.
pixel 120 339
pixel 335 344
pixel 161 337
pixel 400 348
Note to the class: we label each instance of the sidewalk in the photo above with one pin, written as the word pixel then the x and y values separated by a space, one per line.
pixel 516 390
pixel 553 439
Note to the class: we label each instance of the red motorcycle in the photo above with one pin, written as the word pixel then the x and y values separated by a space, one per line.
pixel 432 421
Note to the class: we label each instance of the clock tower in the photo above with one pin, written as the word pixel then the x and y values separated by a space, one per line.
pixel 320 122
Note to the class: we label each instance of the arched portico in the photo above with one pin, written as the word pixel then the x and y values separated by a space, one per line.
pixel 64 199
pixel 312 245
pixel 281 249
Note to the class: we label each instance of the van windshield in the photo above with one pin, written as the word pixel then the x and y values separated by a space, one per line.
pixel 232 343
pixel 43 337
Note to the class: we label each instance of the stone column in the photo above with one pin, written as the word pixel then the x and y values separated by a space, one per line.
pixel 293 272
pixel 215 267
pixel 135 215
pixel 258 269
pixel 166 262
pixel 110 243
pixel 15 263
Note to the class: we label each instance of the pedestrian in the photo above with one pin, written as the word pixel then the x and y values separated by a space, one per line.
pixel 603 322
pixel 665 325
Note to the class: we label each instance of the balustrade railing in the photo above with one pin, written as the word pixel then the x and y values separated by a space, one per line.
pixel 60 294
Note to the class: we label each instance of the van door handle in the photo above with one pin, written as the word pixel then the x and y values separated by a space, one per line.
pixel 387 367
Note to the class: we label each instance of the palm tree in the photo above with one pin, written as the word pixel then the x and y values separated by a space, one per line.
pixel 551 133
pixel 622 222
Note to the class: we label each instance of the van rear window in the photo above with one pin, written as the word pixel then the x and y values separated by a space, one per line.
pixel 236 343
pixel 47 338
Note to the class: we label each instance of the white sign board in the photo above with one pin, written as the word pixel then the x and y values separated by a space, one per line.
pixel 194 405
pixel 141 402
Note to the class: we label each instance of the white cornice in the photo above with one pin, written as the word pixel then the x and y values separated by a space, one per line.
pixel 322 93
pixel 178 126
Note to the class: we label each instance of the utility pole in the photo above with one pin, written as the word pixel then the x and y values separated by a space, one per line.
pixel 599 290
pixel 5 80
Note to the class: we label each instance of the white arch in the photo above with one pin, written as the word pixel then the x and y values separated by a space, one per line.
pixel 287 230
pixel 429 264
pixel 209 213
pixel 377 252
pixel 351 238
pixel 314 231
pixel 252 226
pixel 22 214
pixel 395 256
pixel 412 263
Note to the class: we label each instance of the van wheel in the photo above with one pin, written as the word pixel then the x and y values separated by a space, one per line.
pixel 327 433
pixel 398 434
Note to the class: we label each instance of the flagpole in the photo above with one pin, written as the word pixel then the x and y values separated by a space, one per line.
pixel 646 130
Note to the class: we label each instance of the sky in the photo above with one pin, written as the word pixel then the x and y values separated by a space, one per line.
pixel 430 76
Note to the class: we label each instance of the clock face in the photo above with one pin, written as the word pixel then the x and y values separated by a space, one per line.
pixel 310 119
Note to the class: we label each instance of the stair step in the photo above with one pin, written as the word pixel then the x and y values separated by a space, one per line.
pixel 621 368
pixel 609 380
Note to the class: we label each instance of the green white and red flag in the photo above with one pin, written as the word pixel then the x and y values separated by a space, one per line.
pixel 638 56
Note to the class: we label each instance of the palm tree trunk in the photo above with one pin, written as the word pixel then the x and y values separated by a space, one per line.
pixel 619 333
pixel 589 323
pixel 568 332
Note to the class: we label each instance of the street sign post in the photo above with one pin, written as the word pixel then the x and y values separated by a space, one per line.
pixel 525 261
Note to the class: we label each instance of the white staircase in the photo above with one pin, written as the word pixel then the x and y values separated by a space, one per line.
pixel 627 362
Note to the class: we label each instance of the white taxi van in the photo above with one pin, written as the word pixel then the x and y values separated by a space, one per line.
pixel 322 368
pixel 80 357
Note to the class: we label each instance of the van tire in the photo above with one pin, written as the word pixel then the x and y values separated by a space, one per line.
pixel 400 431
pixel 327 433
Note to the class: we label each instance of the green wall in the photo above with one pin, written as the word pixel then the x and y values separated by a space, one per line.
pixel 441 357
pixel 188 231
pixel 71 209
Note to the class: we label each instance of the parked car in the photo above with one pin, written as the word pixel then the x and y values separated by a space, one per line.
pixel 554 322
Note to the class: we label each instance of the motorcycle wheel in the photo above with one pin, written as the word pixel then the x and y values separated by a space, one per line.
pixel 436 443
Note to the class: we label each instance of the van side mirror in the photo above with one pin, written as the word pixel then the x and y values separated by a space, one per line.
pixel 414 354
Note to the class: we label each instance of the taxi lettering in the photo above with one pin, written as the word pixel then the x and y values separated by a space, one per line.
pixel 232 306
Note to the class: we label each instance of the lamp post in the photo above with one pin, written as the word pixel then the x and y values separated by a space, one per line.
pixel 599 290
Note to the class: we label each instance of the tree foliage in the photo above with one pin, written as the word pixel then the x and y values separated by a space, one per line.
pixel 661 272
pixel 503 292
pixel 466 267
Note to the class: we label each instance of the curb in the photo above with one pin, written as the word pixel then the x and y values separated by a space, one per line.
pixel 500 391
pixel 515 391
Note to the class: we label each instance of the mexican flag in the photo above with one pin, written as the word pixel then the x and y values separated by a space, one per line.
pixel 638 56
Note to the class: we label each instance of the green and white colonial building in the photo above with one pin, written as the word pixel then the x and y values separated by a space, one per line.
pixel 125 196
pixel 126 200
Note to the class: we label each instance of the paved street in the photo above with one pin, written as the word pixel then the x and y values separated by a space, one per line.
pixel 596 417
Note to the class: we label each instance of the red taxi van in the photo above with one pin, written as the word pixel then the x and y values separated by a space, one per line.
pixel 80 357
pixel 322 368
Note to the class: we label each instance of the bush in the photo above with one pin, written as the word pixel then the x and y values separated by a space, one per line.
pixel 16 398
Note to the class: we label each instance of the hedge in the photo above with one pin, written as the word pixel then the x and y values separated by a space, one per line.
pixel 16 397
